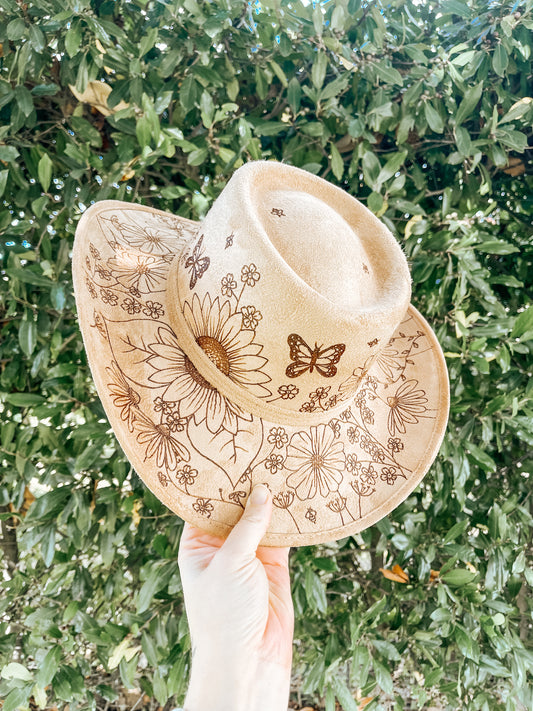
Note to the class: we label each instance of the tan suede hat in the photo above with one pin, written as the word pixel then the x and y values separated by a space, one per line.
pixel 273 342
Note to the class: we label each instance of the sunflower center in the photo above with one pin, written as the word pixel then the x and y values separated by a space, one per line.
pixel 196 376
pixel 317 461
pixel 215 352
pixel 393 401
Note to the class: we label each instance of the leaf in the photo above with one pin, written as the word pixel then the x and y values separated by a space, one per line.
pixel 386 649
pixel 48 545
pixel 207 109
pixel 122 651
pixel 344 695
pixel 500 60
pixel 294 95
pixel 396 574
pixel 73 39
pixel 389 74
pixel 318 70
pixel 517 110
pixel 44 170
pixel 96 94
pixel 469 103
pixel 458 577
pixel 456 530
pixel 433 118
pixel 48 667
pixel 8 154
pixel 383 677
pixel 16 699
pixel 392 166
pixel 371 169
pixel 24 399
pixel 28 336
pixel 3 181
pixel 14 670
pixel 337 164
pixel 496 246
pixel 523 323
pixel 24 100
pixel 278 71
pixel 462 138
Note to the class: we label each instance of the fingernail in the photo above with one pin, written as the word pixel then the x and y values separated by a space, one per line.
pixel 259 495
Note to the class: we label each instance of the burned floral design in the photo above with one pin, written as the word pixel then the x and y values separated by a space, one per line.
pixel 389 474
pixel 284 499
pixel 310 515
pixel 153 309
pixel 131 306
pixel 160 444
pixel 250 317
pixel 228 285
pixel 91 288
pixel 407 405
pixel 186 475
pixel 316 461
pixel 274 463
pixel 250 275
pixel 288 392
pixel 123 395
pixel 219 334
pixel 164 480
pixel 145 238
pixel 204 507
pixel 278 437
pixel 142 272
pixel 395 445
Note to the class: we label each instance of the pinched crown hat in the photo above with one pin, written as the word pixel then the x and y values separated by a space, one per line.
pixel 273 342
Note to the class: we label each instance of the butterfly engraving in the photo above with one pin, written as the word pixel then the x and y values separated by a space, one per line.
pixel 306 359
pixel 197 263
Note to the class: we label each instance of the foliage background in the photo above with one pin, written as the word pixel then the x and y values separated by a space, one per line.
pixel 421 110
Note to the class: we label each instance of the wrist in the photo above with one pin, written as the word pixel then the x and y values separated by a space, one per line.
pixel 243 685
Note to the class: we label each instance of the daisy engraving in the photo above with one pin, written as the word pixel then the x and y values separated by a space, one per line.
pixel 406 406
pixel 316 460
pixel 142 272
pixel 146 238
pixel 228 346
pixel 123 395
pixel 168 452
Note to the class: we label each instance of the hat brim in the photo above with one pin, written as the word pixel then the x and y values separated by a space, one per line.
pixel 328 481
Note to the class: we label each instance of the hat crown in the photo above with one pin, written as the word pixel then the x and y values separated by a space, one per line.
pixel 289 291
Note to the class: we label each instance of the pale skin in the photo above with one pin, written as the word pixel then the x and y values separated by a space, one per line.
pixel 240 612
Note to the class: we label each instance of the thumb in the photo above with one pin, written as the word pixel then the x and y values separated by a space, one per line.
pixel 246 535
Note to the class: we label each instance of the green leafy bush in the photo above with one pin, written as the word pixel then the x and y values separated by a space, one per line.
pixel 421 110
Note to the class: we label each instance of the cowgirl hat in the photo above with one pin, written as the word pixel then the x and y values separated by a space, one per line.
pixel 273 342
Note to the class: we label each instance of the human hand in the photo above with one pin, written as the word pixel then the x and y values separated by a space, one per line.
pixel 240 613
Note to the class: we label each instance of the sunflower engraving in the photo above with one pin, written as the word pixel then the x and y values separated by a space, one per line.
pixel 316 460
pixel 220 335
pixel 406 406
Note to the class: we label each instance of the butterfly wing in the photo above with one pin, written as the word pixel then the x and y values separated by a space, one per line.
pixel 328 358
pixel 300 354
pixel 197 265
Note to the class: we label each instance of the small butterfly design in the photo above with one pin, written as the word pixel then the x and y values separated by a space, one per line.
pixel 306 359
pixel 197 263
pixel 373 343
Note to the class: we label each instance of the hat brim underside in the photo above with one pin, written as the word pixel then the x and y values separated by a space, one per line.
pixel 201 454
